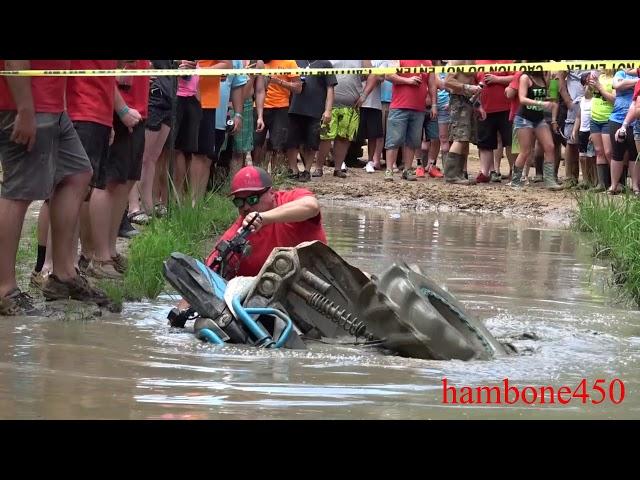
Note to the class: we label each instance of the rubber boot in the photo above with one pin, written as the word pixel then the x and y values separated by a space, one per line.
pixel 549 177
pixel 453 168
pixel 603 172
pixel 516 177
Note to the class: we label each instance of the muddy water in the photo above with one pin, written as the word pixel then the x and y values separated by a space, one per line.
pixel 521 278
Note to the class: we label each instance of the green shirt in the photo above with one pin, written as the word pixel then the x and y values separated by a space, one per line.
pixel 601 108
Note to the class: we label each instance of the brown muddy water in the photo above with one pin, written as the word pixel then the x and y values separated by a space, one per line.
pixel 533 285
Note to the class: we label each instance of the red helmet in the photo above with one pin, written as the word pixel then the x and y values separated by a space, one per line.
pixel 250 179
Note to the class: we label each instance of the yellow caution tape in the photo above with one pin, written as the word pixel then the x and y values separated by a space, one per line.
pixel 488 68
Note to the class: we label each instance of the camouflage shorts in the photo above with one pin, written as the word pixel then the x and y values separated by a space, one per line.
pixel 463 126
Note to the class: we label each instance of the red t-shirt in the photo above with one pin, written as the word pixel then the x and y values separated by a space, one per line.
pixel 275 234
pixel 90 99
pixel 636 91
pixel 492 96
pixel 47 92
pixel 515 101
pixel 138 95
pixel 412 97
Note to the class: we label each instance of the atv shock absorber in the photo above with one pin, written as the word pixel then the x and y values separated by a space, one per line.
pixel 333 312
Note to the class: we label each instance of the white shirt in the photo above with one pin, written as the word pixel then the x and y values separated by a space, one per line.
pixel 585 114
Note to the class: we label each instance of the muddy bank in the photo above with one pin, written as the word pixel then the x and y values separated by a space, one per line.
pixel 363 189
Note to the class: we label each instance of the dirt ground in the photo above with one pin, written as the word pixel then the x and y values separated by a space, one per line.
pixel 370 189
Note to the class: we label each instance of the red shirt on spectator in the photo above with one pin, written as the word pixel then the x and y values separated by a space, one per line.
pixel 90 99
pixel 492 96
pixel 411 97
pixel 47 92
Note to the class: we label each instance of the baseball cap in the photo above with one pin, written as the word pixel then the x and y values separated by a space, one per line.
pixel 250 179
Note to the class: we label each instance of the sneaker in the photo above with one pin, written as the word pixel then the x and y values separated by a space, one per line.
pixel 304 176
pixel 38 279
pixel 388 176
pixel 420 172
pixel 139 217
pixel 318 172
pixel 435 172
pixel 291 175
pixel 482 178
pixel 409 175
pixel 369 168
pixel 103 269
pixel 339 174
pixel 19 303
pixel 77 288
pixel 120 263
pixel 83 263
pixel 495 177
pixel 570 183
pixel 537 179
pixel 126 229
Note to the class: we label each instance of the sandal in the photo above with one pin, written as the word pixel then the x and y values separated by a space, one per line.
pixel 617 191
pixel 139 217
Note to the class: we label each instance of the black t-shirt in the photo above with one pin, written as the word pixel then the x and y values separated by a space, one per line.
pixel 311 101
pixel 166 85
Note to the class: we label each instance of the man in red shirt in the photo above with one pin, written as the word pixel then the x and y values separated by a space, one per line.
pixel 406 115
pixel 42 158
pixel 285 218
pixel 90 105
pixel 496 106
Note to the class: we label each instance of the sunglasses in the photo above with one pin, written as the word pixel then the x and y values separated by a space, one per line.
pixel 251 200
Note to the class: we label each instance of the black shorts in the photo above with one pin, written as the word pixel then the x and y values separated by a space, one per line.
pixel 95 140
pixel 125 156
pixel 276 122
pixel 188 117
pixel 304 132
pixel 583 141
pixel 618 149
pixel 159 112
pixel 207 133
pixel 488 130
pixel 370 124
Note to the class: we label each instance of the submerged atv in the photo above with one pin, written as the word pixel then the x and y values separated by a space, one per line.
pixel 309 292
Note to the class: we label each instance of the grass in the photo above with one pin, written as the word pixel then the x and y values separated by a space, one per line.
pixel 615 225
pixel 185 229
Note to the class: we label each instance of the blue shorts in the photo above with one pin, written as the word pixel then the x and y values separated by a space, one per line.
pixel 404 127
pixel 519 122
pixel 430 127
pixel 599 127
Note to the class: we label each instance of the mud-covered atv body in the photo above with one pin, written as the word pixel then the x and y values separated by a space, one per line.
pixel 310 292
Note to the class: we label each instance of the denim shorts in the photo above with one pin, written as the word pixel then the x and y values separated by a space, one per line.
pixel 443 115
pixel 519 122
pixel 599 127
pixel 404 127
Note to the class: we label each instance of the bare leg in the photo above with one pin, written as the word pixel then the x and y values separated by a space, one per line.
pixel 65 209
pixel 12 214
pixel 154 142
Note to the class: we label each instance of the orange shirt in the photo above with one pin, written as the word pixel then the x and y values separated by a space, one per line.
pixel 209 86
pixel 277 96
